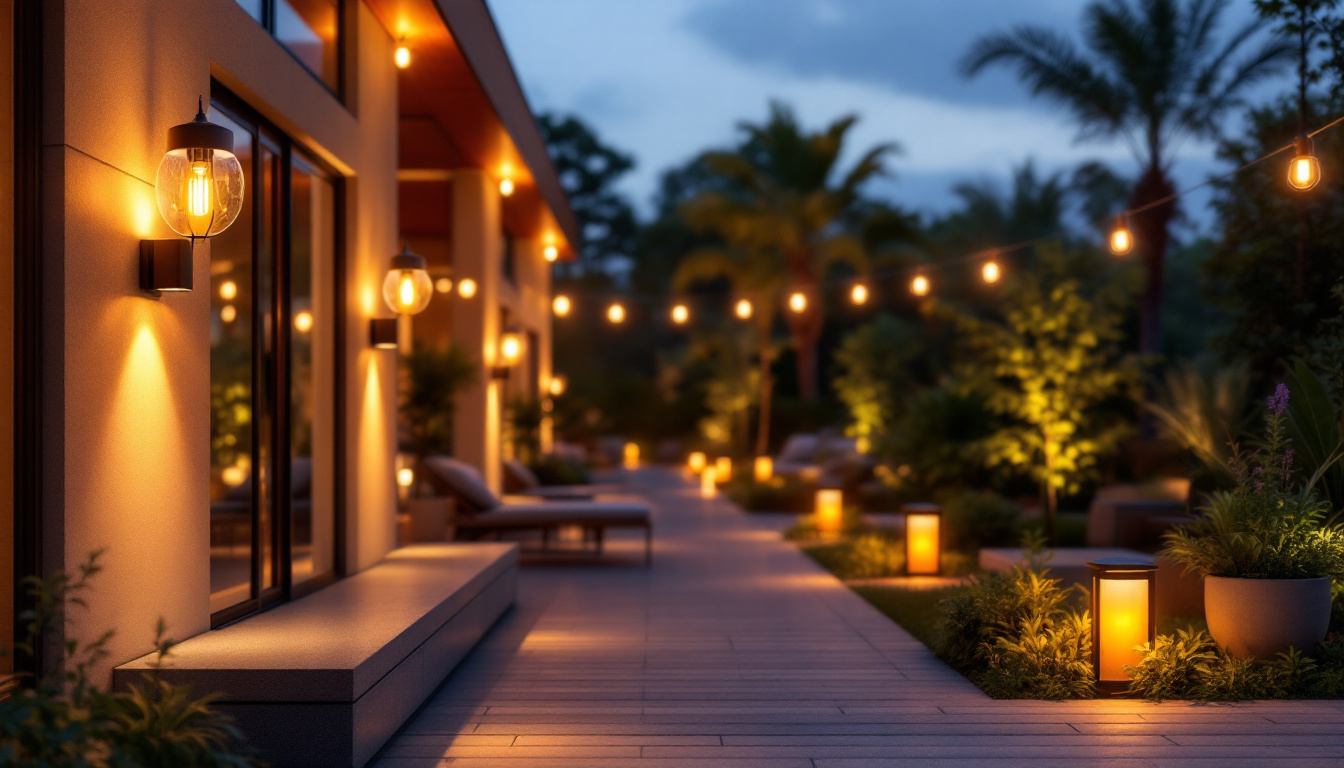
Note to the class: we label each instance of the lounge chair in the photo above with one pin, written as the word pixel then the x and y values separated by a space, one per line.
pixel 521 481
pixel 481 513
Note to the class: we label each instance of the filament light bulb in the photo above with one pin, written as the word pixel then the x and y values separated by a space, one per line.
pixel 561 305
pixel 402 56
pixel 466 287
pixel 798 302
pixel 680 314
pixel 1304 172
pixel 407 288
pixel 858 294
pixel 616 314
pixel 506 187
pixel 990 271
pixel 1122 240
pixel 551 253
pixel 743 309
pixel 920 285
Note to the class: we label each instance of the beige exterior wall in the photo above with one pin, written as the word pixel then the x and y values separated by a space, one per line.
pixel 132 388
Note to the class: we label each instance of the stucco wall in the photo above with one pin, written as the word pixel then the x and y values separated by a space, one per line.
pixel 135 397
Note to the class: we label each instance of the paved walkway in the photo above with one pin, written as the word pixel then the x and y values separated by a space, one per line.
pixel 735 650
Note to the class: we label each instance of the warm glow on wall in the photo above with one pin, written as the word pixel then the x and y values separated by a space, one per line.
pixel 797 302
pixel 723 469
pixel 1123 592
pixel 764 469
pixel 680 314
pixel 303 321
pixel 551 252
pixel 1122 240
pixel 923 539
pixel 743 309
pixel 708 480
pixel 466 287
pixel 405 477
pixel 228 290
pixel 920 285
pixel 695 463
pixel 630 456
pixel 990 271
pixel 858 295
pixel 829 511
pixel 616 314
pixel 561 305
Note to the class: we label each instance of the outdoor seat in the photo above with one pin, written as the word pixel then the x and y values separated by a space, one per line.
pixel 481 513
pixel 520 480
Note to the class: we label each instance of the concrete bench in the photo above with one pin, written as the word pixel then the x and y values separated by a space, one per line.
pixel 327 679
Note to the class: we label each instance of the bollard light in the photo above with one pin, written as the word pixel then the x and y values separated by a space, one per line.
pixel 830 511
pixel 723 469
pixel 1124 591
pixel 923 543
pixel 695 463
pixel 764 469
pixel 631 456
pixel 708 478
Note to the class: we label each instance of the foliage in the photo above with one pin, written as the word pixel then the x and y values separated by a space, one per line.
pixel 1205 411
pixel 940 437
pixel 1190 665
pixel 874 375
pixel 779 494
pixel 1033 207
pixel 522 427
pixel 1048 368
pixel 63 720
pixel 731 384
pixel 1173 667
pixel 589 171
pixel 1263 529
pixel 871 555
pixel 1042 660
pixel 1314 425
pixel 1324 353
pixel 431 378
pixel 976 519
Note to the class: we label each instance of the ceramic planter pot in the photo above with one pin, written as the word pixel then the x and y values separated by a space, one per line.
pixel 1257 618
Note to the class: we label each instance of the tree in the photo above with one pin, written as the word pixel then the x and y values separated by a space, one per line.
pixel 589 170
pixel 1047 368
pixel 784 200
pixel 874 361
pixel 1033 207
pixel 1153 73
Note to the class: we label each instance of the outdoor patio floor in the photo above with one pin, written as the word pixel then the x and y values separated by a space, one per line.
pixel 735 650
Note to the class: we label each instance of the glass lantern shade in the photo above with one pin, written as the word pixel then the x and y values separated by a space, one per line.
pixel 407 288
pixel 199 184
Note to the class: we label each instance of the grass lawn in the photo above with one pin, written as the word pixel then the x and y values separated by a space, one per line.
pixel 916 610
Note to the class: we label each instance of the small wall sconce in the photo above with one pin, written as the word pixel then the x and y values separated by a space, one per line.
pixel 551 252
pixel 402 55
pixel 830 511
pixel 1124 591
pixel 695 463
pixel 407 290
pixel 383 332
pixel 199 189
pixel 923 539
pixel 510 353
pixel 764 469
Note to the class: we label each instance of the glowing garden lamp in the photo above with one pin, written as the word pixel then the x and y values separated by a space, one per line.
pixel 616 313
pixel 763 469
pixel 1122 239
pixel 990 272
pixel 630 456
pixel 708 479
pixel 858 295
pixel 407 288
pixel 920 285
pixel 1124 591
pixel 743 309
pixel 923 539
pixel 199 190
pixel 680 314
pixel 797 302
pixel 561 305
pixel 723 469
pixel 695 463
pixel 829 511
pixel 1304 172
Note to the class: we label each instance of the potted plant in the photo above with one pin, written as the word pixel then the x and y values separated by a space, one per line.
pixel 431 378
pixel 1266 551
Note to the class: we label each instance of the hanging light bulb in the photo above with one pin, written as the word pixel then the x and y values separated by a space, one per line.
pixel 920 285
pixel 797 302
pixel 1304 172
pixel 990 271
pixel 506 187
pixel 228 290
pixel 858 294
pixel 303 321
pixel 199 184
pixel 466 287
pixel 743 309
pixel 551 253
pixel 561 305
pixel 1122 240
pixel 407 288
pixel 616 313
pixel 402 56
pixel 680 314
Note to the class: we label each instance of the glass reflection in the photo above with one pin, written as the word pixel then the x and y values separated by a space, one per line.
pixel 309 29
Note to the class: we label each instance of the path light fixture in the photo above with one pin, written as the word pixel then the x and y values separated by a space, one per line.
pixel 1122 239
pixel 695 463
pixel 829 511
pixel 509 354
pixel 764 469
pixel 1304 172
pixel 199 189
pixel 923 539
pixel 723 469
pixel 630 456
pixel 1124 592
pixel 708 482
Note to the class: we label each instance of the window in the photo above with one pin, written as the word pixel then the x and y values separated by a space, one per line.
pixel 273 342
pixel 308 29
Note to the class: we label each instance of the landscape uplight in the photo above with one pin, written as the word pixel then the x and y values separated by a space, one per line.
pixel 923 539
pixel 1124 591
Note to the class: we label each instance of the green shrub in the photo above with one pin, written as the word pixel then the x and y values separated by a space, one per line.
pixel 1046 658
pixel 976 519
pixel 62 720
pixel 1189 665
pixel 777 495
pixel 870 556
pixel 1173 667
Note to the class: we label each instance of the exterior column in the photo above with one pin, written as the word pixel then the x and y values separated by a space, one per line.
pixel 476 252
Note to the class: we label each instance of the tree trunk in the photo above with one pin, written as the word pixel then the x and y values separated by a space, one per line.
pixel 767 388
pixel 805 328
pixel 1152 234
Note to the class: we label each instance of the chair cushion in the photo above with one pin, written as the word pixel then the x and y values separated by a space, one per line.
pixel 464 482
pixel 555 513
pixel 517 477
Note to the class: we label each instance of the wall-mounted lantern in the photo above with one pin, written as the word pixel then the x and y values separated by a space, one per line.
pixel 383 333
pixel 407 290
pixel 509 354
pixel 1124 591
pixel 199 188
pixel 923 539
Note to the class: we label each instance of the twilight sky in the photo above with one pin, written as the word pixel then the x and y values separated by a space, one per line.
pixel 665 79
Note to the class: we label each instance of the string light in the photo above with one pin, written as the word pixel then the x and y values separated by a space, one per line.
pixel 506 187
pixel 743 309
pixel 616 313
pixel 1304 172
pixel 1122 240
pixel 466 287
pixel 990 271
pixel 920 285
pixel 560 305
pixel 680 314
pixel 858 295
pixel 551 253
pixel 443 285
pixel 797 302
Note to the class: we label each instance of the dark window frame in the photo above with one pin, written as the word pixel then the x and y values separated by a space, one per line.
pixel 277 438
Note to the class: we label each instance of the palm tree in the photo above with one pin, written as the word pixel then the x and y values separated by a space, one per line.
pixel 1152 72
pixel 784 201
